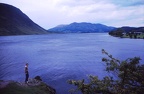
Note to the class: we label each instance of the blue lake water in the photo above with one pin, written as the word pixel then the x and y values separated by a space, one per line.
pixel 59 57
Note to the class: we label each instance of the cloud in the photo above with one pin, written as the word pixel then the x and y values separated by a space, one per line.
pixel 101 12
pixel 50 13
pixel 126 3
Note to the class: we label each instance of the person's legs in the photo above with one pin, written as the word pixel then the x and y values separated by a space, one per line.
pixel 26 79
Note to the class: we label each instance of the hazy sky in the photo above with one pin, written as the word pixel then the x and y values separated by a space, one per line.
pixel 50 13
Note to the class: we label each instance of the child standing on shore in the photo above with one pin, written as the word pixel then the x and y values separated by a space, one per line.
pixel 26 73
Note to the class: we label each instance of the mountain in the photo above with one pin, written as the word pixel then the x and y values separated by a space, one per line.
pixel 14 22
pixel 81 28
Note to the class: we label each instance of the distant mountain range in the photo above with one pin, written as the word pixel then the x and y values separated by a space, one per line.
pixel 14 22
pixel 81 28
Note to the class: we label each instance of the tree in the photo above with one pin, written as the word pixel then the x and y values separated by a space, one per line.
pixel 129 78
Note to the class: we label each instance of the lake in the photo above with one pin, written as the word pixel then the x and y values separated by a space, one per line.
pixel 59 57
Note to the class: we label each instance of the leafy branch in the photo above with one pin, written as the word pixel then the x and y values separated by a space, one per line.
pixel 129 73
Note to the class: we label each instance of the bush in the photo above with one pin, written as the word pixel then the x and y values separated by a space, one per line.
pixel 129 78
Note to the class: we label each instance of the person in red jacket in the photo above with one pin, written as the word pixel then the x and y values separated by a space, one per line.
pixel 26 73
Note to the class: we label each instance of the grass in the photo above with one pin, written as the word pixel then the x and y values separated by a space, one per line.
pixel 14 88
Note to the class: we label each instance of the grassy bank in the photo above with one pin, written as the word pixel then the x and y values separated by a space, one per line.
pixel 33 87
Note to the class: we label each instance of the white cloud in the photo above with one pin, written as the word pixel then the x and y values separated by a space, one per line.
pixel 50 13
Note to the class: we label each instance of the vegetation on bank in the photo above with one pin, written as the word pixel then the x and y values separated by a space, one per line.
pixel 129 78
pixel 135 36
pixel 128 32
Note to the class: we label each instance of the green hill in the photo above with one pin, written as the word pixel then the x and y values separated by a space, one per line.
pixel 14 22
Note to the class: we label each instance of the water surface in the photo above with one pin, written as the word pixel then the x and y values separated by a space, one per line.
pixel 59 57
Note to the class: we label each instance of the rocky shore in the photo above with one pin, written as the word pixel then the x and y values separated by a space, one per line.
pixel 34 86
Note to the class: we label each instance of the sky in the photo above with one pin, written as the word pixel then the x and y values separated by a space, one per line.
pixel 51 13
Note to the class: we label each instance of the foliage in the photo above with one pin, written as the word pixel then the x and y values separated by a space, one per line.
pixel 117 32
pixel 128 32
pixel 129 78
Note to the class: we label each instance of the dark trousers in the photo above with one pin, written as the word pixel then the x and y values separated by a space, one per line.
pixel 27 76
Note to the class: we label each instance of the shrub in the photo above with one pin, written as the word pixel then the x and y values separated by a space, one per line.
pixel 129 78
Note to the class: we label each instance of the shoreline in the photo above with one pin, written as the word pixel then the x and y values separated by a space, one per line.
pixel 34 86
